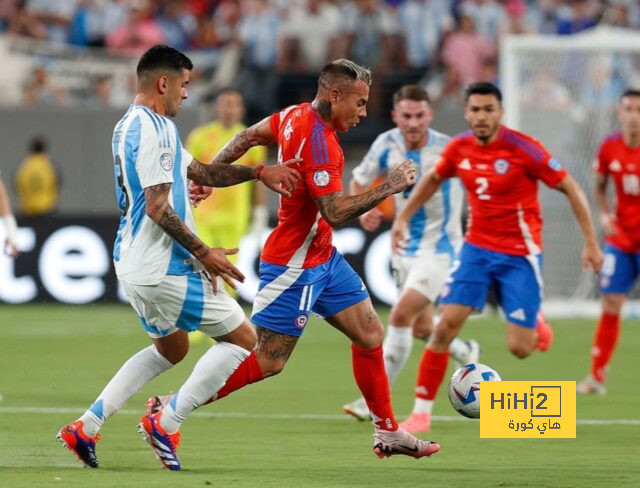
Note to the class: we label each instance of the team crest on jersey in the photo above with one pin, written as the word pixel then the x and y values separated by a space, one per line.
pixel 554 164
pixel 166 161
pixel 321 178
pixel 501 166
pixel 301 321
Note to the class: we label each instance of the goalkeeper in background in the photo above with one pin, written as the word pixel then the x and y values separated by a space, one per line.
pixel 618 160
pixel 224 218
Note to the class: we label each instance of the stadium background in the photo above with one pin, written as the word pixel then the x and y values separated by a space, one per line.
pixel 68 75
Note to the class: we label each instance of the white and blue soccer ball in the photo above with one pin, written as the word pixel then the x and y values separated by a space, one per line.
pixel 464 388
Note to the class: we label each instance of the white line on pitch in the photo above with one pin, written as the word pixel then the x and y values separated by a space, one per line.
pixel 282 416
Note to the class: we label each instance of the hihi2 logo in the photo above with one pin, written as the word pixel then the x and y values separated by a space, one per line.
pixel 528 409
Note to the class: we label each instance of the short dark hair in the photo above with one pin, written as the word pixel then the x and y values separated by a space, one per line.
pixel 342 68
pixel 630 92
pixel 162 57
pixel 37 145
pixel 482 88
pixel 228 90
pixel 411 92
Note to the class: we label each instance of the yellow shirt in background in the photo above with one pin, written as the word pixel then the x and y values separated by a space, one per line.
pixel 37 185
pixel 223 217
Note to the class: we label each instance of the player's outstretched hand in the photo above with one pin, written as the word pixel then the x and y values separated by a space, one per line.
pixel 282 178
pixel 398 235
pixel 198 192
pixel 592 257
pixel 402 176
pixel 370 220
pixel 217 264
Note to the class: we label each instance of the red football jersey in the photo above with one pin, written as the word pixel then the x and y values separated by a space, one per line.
pixel 622 164
pixel 302 238
pixel 501 180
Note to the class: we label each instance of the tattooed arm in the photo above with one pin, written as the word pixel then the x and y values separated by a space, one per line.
pixel 337 209
pixel 257 135
pixel 162 213
pixel 220 175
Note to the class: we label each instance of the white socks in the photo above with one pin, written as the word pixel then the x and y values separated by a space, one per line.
pixel 422 406
pixel 397 349
pixel 210 373
pixel 139 369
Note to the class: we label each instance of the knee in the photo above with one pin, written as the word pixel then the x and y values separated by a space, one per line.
pixel 271 368
pixel 175 355
pixel 612 304
pixel 520 351
pixel 373 338
pixel 399 318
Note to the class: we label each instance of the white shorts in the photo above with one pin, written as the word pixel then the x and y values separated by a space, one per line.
pixel 184 302
pixel 425 274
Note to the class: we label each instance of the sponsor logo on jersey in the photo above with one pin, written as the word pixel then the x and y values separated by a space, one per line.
pixel 465 164
pixel 166 161
pixel 288 130
pixel 554 164
pixel 501 166
pixel 518 315
pixel 321 178
pixel 615 165
pixel 301 321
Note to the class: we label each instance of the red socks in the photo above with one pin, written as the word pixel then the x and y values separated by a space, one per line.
pixel 248 372
pixel 604 342
pixel 371 378
pixel 431 371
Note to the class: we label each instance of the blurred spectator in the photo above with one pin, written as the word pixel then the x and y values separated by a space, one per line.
pixel 37 181
pixel 100 91
pixel 10 243
pixel 514 20
pixel 55 15
pixel 577 15
pixel 541 16
pixel 226 20
pixel 39 89
pixel 95 19
pixel 369 29
pixel 306 37
pixel 487 15
pixel 177 23
pixel 22 22
pixel 139 32
pixel 465 50
pixel 423 23
pixel 602 87
pixel 446 90
pixel 545 92
pixel 618 14
pixel 257 79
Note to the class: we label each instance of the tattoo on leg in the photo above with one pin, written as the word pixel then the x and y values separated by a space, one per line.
pixel 371 315
pixel 274 346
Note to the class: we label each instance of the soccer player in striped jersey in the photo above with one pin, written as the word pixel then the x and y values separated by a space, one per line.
pixel 171 278
pixel 435 231
pixel 500 169
pixel 300 270
pixel 618 161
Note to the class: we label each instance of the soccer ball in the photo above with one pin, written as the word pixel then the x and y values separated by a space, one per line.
pixel 464 388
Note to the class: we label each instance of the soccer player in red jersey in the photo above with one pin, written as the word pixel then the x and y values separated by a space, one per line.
pixel 499 169
pixel 300 270
pixel 618 160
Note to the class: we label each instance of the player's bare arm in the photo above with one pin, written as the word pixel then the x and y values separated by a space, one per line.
pixel 337 208
pixel 370 220
pixel 214 260
pixel 282 178
pixel 592 254
pixel 257 135
pixel 421 193
pixel 600 195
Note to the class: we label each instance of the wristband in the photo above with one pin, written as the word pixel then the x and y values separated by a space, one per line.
pixel 259 169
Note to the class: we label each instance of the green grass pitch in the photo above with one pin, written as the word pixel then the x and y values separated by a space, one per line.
pixel 288 431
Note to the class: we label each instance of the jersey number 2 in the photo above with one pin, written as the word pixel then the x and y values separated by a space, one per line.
pixel 481 190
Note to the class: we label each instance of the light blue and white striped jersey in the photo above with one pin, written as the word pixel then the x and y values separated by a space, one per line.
pixel 436 227
pixel 147 151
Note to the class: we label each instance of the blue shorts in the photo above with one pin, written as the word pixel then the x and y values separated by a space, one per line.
pixel 619 271
pixel 287 296
pixel 517 281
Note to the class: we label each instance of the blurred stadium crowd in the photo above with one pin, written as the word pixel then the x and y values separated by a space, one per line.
pixel 272 49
